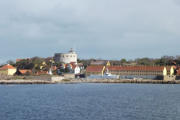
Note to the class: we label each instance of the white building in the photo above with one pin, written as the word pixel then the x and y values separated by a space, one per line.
pixel 77 70
pixel 69 57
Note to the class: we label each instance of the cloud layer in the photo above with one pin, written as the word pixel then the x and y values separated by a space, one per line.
pixel 108 29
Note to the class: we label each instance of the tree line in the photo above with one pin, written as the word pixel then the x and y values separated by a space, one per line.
pixel 38 63
pixel 163 61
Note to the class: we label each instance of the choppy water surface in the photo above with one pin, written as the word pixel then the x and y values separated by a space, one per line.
pixel 90 102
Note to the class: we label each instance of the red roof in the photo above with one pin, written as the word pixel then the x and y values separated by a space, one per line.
pixel 42 73
pixel 97 68
pixel 178 71
pixel 5 67
pixel 73 65
pixel 137 68
pixel 18 60
pixel 24 71
pixel 54 68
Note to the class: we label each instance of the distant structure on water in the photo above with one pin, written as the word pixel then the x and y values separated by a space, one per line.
pixel 70 57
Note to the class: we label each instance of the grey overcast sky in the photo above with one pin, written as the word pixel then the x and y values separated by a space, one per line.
pixel 107 29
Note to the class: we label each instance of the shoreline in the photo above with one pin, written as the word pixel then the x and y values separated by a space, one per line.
pixel 71 81
pixel 19 81
pixel 143 81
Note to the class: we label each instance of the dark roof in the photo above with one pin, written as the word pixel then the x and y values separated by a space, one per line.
pixel 98 62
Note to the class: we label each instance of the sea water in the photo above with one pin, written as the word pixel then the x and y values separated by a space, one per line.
pixel 90 102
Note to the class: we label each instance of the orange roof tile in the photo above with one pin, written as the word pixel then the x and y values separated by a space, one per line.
pixel 5 67
pixel 178 71
pixel 54 68
pixel 42 73
pixel 24 71
pixel 18 60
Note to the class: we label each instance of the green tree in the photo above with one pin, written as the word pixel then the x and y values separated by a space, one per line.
pixel 11 62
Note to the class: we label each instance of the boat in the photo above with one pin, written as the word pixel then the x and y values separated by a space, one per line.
pixel 107 74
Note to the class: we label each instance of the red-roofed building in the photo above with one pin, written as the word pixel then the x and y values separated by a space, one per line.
pixel 95 69
pixel 8 70
pixel 25 71
pixel 178 71
pixel 138 70
pixel 42 73
pixel 54 68
pixel 5 67
pixel 150 72
pixel 19 60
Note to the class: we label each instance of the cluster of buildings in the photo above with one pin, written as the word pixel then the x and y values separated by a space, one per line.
pixel 68 63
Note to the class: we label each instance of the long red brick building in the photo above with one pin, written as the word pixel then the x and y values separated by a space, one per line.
pixel 131 71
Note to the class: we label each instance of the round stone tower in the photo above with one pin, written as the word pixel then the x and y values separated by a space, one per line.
pixel 69 57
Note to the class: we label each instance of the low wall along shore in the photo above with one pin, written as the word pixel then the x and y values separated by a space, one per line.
pixel 21 81
pixel 61 79
pixel 128 81
pixel 45 79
